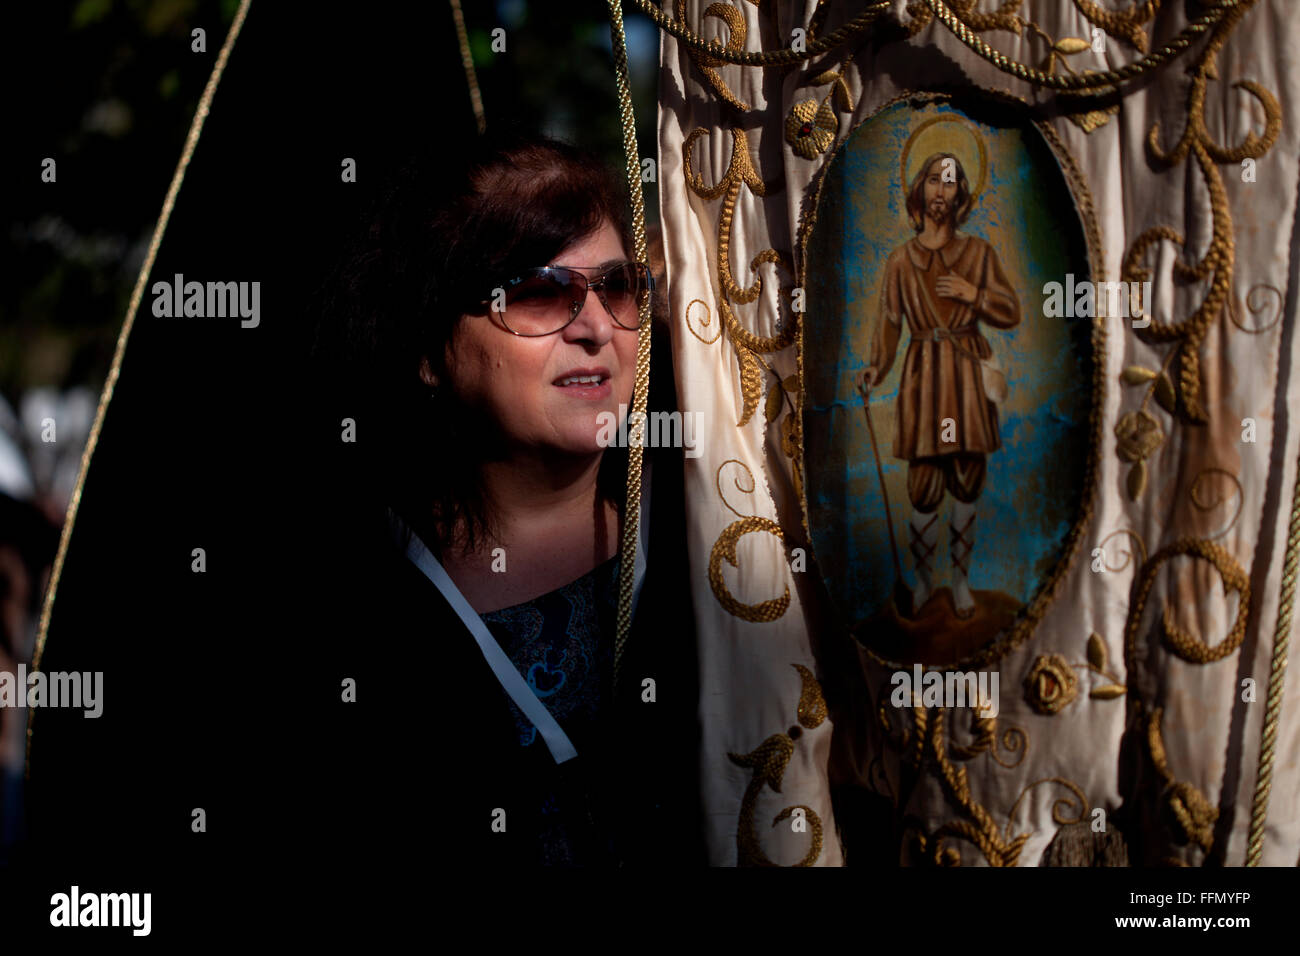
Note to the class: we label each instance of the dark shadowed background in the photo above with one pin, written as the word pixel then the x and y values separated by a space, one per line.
pixel 215 683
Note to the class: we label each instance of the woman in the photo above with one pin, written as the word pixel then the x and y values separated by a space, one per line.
pixel 491 317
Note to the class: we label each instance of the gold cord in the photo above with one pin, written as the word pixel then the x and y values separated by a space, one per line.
pixel 1276 685
pixel 115 369
pixel 782 57
pixel 632 512
pixel 1085 81
pixel 475 97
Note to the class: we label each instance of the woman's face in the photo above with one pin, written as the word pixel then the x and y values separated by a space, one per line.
pixel 518 380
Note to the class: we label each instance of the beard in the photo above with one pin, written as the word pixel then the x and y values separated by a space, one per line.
pixel 939 211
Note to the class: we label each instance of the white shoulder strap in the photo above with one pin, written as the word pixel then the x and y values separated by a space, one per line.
pixel 512 682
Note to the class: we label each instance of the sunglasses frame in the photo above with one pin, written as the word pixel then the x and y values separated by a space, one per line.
pixel 589 284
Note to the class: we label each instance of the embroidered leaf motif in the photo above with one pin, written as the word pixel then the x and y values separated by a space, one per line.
pixel 1070 45
pixel 1108 692
pixel 842 95
pixel 773 402
pixel 1165 394
pixel 751 384
pixel 1137 374
pixel 1096 652
pixel 791 384
pixel 1137 480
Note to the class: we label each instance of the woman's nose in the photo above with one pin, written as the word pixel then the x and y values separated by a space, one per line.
pixel 593 322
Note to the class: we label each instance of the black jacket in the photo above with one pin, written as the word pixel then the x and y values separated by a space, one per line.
pixel 432 730
pixel 224 691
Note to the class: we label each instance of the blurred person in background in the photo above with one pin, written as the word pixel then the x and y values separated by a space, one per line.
pixel 28 540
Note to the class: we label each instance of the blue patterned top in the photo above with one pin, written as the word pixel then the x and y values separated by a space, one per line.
pixel 563 644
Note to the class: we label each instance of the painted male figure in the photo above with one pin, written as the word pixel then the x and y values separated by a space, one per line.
pixel 942 283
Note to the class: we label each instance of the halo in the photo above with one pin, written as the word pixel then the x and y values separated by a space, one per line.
pixel 946 134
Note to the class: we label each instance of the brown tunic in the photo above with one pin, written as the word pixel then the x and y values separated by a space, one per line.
pixel 941 375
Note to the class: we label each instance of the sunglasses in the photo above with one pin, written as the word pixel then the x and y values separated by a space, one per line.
pixel 543 301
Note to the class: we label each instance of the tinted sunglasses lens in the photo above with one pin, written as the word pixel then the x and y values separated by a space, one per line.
pixel 540 303
pixel 624 288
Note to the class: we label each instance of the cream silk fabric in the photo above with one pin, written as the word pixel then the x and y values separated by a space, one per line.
pixel 750 669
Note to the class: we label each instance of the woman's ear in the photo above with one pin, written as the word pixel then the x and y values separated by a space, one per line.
pixel 427 375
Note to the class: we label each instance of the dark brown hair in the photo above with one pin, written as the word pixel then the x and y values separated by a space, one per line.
pixel 962 203
pixel 453 222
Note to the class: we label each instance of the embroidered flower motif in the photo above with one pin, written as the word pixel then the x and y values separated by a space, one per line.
pixel 810 129
pixel 1138 434
pixel 1051 684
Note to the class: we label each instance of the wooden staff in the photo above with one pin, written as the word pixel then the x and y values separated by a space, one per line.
pixel 902 593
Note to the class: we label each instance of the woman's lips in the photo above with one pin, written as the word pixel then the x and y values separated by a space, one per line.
pixel 589 390
pixel 586 383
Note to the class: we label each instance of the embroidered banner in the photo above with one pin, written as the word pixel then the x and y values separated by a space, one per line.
pixel 989 315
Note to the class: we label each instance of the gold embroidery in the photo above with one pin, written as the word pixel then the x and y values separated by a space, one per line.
pixel 1125 24
pixel 707 62
pixel 1051 684
pixel 1138 432
pixel 768 763
pixel 1192 812
pixel 725 548
pixel 811 127
pixel 984 730
pixel 1218 262
pixel 964 27
pixel 1182 643
pixel 997 848
pixel 1059 806
pixel 1127 555
pixel 911 745
pixel 740 173
pixel 708 317
pixel 783 57
pixel 1091 120
pixel 812 706
pixel 1002 19
pixel 1098 662
pixel 1137 435
pixel 1253 297
pixel 717 483
pixel 1195 495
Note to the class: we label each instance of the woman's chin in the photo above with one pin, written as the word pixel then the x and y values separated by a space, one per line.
pixel 590 433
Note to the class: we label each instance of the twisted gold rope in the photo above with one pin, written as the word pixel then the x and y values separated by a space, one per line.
pixel 115 369
pixel 782 57
pixel 632 511
pixel 1086 81
pixel 467 58
pixel 1276 684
